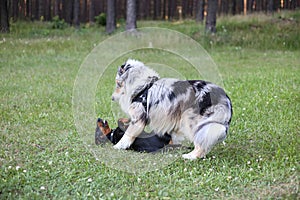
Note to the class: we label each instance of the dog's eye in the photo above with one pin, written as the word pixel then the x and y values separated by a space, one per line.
pixel 119 84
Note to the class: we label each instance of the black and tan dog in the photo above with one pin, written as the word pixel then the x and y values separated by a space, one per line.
pixel 144 143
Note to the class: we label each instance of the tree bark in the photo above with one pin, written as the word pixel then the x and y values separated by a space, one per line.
pixel 233 8
pixel 47 13
pixel 200 11
pixel 131 15
pixel 140 9
pixel 270 6
pixel 41 10
pixel 211 18
pixel 56 8
pixel 92 12
pixel 171 9
pixel 185 6
pixel 29 9
pixel 157 9
pixel 69 11
pixel 14 9
pixel 250 6
pixel 111 16
pixel 83 12
pixel 4 26
pixel 76 22
pixel 164 9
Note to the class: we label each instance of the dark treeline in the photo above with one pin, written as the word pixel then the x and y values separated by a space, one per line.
pixel 75 12
pixel 84 11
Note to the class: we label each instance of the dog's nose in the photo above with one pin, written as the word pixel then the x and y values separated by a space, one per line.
pixel 112 98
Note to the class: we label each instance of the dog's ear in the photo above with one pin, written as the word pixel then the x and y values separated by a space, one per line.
pixel 123 68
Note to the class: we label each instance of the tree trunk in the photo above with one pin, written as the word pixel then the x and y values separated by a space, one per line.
pixel 211 18
pixel 47 13
pixel 164 9
pixel 184 5
pixel 233 8
pixel 14 9
pixel 4 26
pixel 131 15
pixel 200 11
pixel 270 6
pixel 147 9
pixel 83 11
pixel 35 10
pixel 92 12
pixel 56 8
pixel 69 11
pixel 76 12
pixel 41 10
pixel 22 10
pixel 250 4
pixel 29 9
pixel 239 6
pixel 100 7
pixel 157 9
pixel 143 9
pixel 171 9
pixel 225 7
pixel 111 16
pixel 63 9
pixel 139 10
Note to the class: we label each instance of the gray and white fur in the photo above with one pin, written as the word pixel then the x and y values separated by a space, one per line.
pixel 193 109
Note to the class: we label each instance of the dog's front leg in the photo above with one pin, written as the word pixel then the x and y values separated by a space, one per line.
pixel 138 121
pixel 133 131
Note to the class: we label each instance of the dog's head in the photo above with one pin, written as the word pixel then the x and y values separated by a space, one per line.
pixel 130 76
pixel 102 130
pixel 103 126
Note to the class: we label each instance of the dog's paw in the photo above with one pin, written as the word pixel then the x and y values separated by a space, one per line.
pixel 189 156
pixel 118 146
pixel 124 143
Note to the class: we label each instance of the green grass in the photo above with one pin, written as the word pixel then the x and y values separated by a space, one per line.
pixel 41 152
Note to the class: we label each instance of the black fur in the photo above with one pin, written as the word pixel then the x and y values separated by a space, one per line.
pixel 198 85
pixel 149 143
pixel 205 103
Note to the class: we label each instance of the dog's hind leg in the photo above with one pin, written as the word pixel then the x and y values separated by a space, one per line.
pixel 204 139
pixel 137 125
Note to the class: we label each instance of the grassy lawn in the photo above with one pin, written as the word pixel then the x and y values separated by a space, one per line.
pixel 42 154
